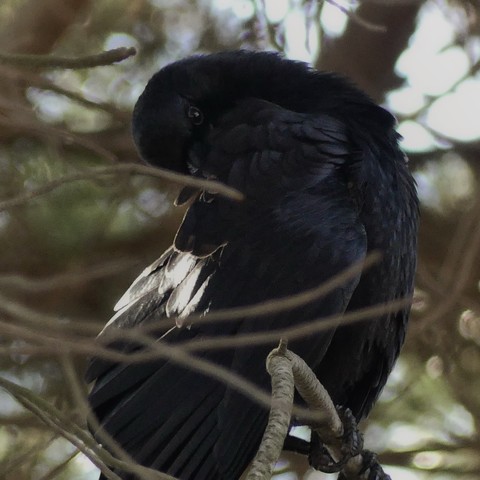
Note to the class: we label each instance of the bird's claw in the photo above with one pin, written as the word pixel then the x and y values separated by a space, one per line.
pixel 352 445
pixel 352 439
pixel 371 469
pixel 320 459
pixel 371 465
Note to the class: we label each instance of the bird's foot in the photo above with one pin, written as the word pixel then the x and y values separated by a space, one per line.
pixel 371 469
pixel 352 439
pixel 351 445
pixel 296 445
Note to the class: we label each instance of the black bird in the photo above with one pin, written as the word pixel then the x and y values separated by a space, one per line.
pixel 325 183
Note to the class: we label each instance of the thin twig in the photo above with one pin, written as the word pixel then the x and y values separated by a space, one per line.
pixel 156 350
pixel 58 469
pixel 354 17
pixel 45 130
pixel 15 462
pixel 161 351
pixel 30 78
pixel 64 279
pixel 56 420
pixel 78 392
pixel 261 309
pixel 127 168
pixel 68 342
pixel 50 61
pixel 276 305
pixel 296 332
pixel 65 332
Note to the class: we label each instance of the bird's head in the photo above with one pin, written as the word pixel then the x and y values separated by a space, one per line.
pixel 177 109
pixel 164 123
pixel 186 99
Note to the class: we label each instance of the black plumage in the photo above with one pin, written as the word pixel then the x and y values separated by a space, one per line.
pixel 324 183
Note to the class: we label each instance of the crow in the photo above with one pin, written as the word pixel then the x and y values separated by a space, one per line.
pixel 324 184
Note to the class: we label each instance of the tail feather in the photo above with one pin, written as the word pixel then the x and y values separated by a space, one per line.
pixel 197 450
pixel 161 428
pixel 170 440
pixel 135 412
pixel 244 447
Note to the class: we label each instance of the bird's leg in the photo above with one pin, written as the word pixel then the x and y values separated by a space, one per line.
pixel 350 444
pixel 352 439
pixel 296 445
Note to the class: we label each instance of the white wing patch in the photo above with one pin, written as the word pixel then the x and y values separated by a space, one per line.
pixel 174 275
pixel 176 271
pixel 119 313
pixel 185 298
pixel 145 282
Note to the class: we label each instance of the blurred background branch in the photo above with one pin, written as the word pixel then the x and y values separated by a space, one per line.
pixel 51 61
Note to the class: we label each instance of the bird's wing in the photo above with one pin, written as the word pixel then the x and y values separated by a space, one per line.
pixel 170 287
pixel 297 228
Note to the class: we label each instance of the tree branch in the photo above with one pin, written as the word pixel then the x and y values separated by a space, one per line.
pixel 289 371
pixel 354 17
pixel 280 369
pixel 68 429
pixel 129 168
pixel 50 61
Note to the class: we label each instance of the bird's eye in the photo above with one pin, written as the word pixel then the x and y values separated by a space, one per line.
pixel 195 115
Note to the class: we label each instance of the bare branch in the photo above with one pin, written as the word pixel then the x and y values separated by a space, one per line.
pixel 279 305
pixel 15 461
pixel 56 420
pixel 50 61
pixel 65 279
pixel 280 369
pixel 299 331
pixel 289 371
pixel 261 309
pixel 64 332
pixel 78 391
pixel 45 130
pixel 61 424
pixel 354 17
pixel 128 168
pixel 52 473
pixel 30 78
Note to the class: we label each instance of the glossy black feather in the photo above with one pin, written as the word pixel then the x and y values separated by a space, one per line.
pixel 325 183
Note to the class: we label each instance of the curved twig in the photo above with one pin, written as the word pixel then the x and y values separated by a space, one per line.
pixel 289 371
pixel 280 369
pixel 373 27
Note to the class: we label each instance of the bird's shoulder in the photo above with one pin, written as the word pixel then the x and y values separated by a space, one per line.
pixel 255 124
